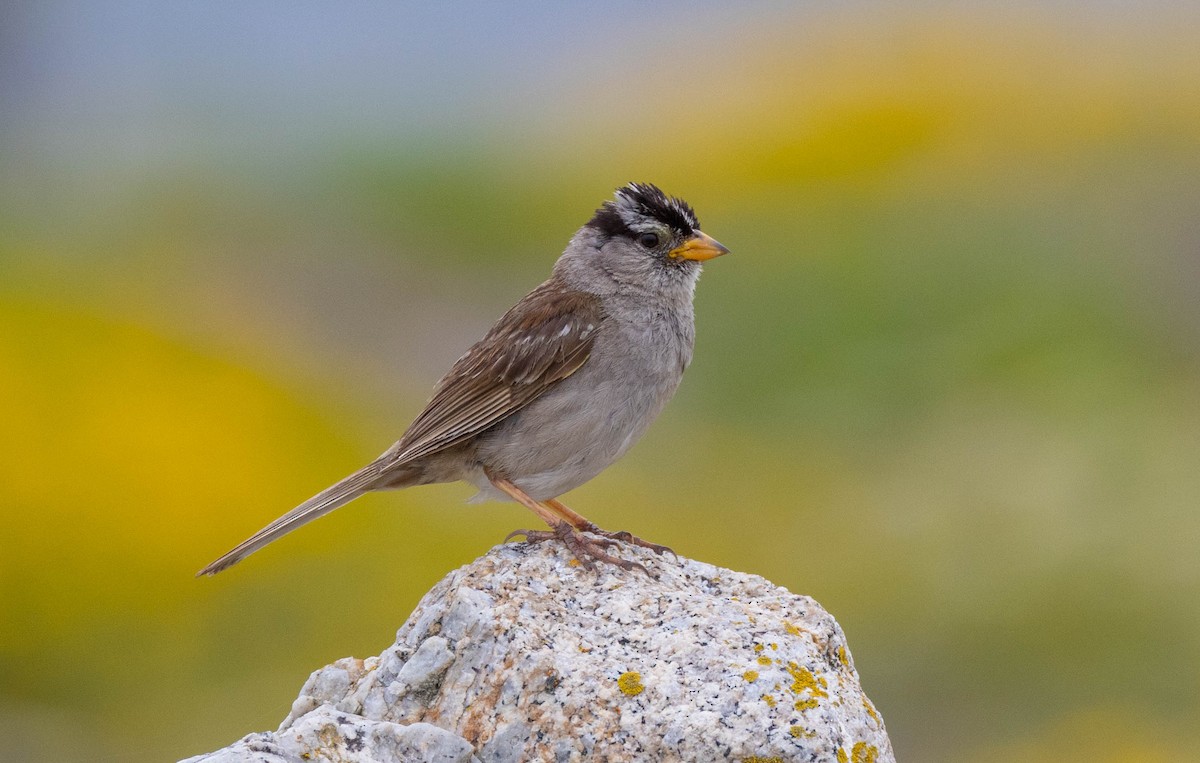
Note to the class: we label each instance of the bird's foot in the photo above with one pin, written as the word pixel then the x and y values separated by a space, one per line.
pixel 531 536
pixel 586 550
pixel 624 536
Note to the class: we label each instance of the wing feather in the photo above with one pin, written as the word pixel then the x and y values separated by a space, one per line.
pixel 543 339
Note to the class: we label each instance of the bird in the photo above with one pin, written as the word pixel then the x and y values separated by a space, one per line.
pixel 560 387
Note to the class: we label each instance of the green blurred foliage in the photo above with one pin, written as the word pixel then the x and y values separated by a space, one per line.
pixel 946 384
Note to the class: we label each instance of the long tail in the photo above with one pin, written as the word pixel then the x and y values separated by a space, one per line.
pixel 320 504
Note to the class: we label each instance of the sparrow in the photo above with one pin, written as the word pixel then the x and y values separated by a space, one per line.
pixel 560 387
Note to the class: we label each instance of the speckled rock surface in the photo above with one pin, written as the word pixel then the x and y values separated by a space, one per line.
pixel 326 734
pixel 523 656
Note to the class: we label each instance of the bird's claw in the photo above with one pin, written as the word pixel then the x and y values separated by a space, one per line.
pixel 589 550
pixel 624 536
pixel 531 536
pixel 586 550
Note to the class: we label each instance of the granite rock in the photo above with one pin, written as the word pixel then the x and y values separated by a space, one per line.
pixel 326 734
pixel 523 655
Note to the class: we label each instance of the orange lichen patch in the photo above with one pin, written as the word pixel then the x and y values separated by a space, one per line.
pixel 799 731
pixel 790 629
pixel 769 700
pixel 757 759
pixel 864 753
pixel 750 675
pixel 765 660
pixel 804 680
pixel 842 756
pixel 775 646
pixel 573 563
pixel 841 655
pixel 758 647
pixel 806 704
pixel 630 683
pixel 871 710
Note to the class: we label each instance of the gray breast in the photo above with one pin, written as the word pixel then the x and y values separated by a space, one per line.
pixel 586 422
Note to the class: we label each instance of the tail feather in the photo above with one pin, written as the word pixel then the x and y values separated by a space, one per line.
pixel 319 505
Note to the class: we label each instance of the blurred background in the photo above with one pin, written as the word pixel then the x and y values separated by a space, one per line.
pixel 947 384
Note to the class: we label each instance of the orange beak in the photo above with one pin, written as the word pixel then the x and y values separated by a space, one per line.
pixel 699 247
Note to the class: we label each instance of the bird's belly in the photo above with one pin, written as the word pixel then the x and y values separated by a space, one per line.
pixel 573 432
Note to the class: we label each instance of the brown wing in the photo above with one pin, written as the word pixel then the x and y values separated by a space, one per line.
pixel 542 340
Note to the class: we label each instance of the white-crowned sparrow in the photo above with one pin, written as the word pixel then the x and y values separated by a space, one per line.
pixel 561 386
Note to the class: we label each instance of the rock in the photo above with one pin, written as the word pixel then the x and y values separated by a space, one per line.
pixel 524 656
pixel 327 734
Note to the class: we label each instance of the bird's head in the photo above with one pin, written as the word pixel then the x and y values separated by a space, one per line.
pixel 643 238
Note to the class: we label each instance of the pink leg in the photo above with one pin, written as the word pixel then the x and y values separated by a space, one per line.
pixel 586 550
pixel 582 524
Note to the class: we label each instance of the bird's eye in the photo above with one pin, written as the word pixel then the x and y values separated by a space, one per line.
pixel 648 240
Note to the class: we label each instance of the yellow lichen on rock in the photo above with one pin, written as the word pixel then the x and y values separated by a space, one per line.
pixel 630 683
pixel 803 679
pixel 871 710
